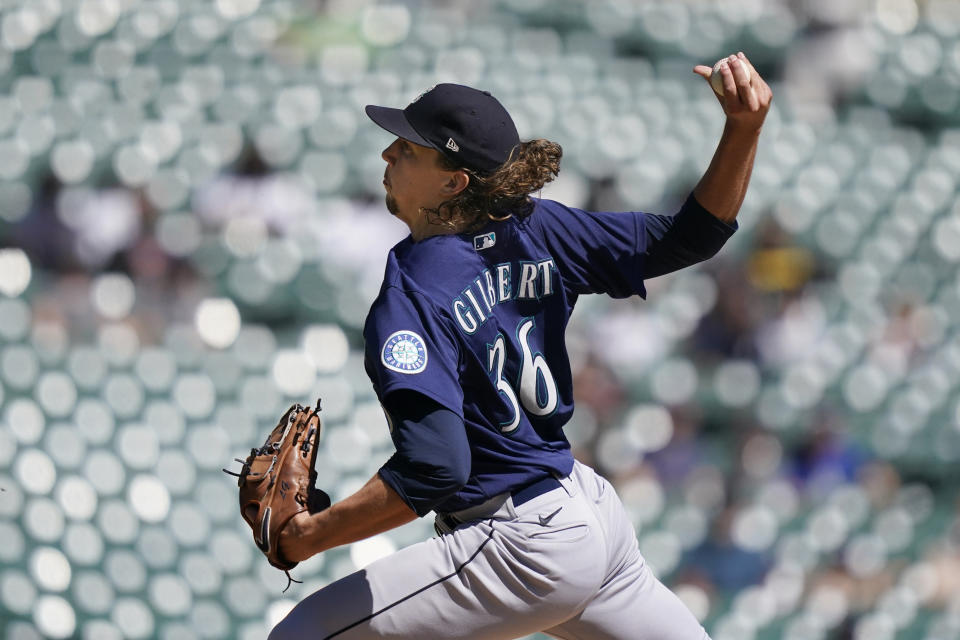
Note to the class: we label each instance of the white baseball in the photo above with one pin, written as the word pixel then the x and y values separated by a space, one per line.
pixel 716 78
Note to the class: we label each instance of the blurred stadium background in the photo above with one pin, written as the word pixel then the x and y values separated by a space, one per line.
pixel 192 229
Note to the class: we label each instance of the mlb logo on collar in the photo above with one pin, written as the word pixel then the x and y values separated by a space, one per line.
pixel 484 241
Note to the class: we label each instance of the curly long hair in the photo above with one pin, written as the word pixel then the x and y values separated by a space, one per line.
pixel 502 193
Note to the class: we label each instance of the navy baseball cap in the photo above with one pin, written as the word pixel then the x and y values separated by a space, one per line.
pixel 466 125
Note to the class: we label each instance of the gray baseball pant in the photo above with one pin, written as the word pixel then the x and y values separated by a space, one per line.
pixel 566 563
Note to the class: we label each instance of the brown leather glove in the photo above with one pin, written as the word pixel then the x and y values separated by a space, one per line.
pixel 277 480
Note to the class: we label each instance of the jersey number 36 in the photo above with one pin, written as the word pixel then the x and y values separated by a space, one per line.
pixel 538 389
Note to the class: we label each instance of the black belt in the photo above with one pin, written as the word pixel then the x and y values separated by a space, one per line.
pixel 520 496
pixel 531 491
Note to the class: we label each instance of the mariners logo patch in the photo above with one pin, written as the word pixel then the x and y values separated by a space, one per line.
pixel 404 352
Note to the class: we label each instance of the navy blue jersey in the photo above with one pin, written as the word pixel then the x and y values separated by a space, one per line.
pixel 477 321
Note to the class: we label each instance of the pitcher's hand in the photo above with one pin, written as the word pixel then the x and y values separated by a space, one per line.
pixel 746 96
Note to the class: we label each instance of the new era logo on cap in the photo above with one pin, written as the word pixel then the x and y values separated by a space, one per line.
pixel 453 146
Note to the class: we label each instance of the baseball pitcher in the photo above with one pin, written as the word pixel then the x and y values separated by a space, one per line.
pixel 465 349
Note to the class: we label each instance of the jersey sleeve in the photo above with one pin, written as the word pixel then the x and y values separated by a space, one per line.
pixel 432 461
pixel 407 346
pixel 674 242
pixel 613 253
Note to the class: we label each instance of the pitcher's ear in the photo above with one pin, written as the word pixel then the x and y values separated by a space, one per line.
pixel 459 180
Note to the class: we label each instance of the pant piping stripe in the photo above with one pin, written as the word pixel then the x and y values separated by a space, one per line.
pixel 418 591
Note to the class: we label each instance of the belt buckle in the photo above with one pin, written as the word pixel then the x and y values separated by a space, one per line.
pixel 445 523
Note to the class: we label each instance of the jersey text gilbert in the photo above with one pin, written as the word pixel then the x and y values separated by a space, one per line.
pixel 472 307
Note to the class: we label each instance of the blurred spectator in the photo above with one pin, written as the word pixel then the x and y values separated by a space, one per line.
pixel 776 263
pixel 687 449
pixel 47 241
pixel 722 562
pixel 943 560
pixel 252 192
pixel 728 329
pixel 880 480
pixel 596 386
pixel 104 222
pixel 825 458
